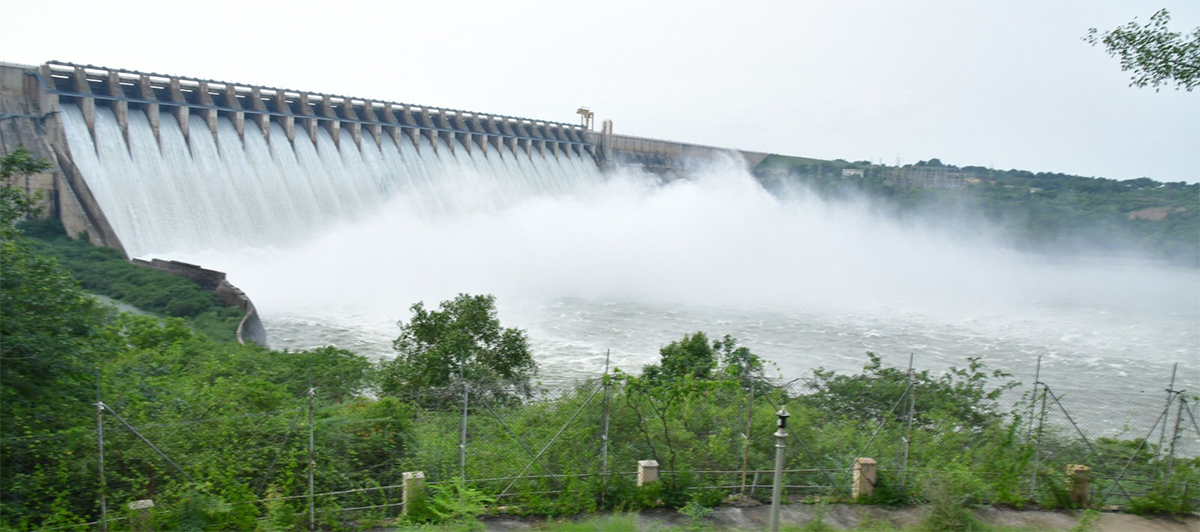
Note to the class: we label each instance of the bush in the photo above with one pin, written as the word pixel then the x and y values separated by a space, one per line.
pixel 951 492
pixel 456 502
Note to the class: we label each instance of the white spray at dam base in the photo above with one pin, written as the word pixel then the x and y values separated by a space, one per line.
pixel 335 244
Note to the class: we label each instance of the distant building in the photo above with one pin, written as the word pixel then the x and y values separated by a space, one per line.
pixel 928 177
pixel 852 172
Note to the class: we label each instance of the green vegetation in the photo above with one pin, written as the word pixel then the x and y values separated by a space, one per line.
pixel 1156 55
pixel 104 271
pixel 1043 212
pixel 463 338
pixel 232 424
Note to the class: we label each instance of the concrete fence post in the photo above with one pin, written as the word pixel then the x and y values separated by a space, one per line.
pixel 412 490
pixel 1079 478
pixel 140 519
pixel 647 472
pixel 864 478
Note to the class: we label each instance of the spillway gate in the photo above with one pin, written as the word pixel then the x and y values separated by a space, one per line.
pixel 301 113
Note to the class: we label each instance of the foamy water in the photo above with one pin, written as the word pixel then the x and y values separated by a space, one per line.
pixel 334 243
pixel 628 266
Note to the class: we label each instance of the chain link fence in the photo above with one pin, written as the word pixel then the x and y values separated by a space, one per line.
pixel 579 448
pixel 1131 443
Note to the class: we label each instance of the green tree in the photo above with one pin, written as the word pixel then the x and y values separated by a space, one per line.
pixel 1155 55
pixel 738 362
pixel 14 202
pixel 670 399
pixel 47 318
pixel 463 337
pixel 960 397
pixel 48 349
pixel 692 356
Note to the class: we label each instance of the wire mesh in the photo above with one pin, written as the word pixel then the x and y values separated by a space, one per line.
pixel 552 449
pixel 1131 443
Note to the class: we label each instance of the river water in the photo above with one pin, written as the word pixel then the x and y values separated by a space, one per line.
pixel 628 265
pixel 334 242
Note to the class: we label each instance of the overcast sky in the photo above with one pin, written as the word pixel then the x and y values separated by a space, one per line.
pixel 1007 84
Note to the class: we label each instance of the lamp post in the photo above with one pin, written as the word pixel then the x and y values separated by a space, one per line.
pixel 777 489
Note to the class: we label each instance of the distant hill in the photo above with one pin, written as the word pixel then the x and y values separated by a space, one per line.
pixel 1044 212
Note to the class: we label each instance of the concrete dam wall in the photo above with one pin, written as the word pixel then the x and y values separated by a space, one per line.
pixel 32 98
pixel 150 163
pixel 31 101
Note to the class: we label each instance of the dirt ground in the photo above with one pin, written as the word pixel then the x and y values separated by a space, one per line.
pixel 848 516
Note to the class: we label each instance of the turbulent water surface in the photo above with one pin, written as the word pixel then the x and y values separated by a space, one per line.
pixel 334 244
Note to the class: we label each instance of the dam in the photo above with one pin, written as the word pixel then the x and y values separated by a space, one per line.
pixel 412 203
pixel 142 161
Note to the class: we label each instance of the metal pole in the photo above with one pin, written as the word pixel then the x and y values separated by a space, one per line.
pixel 1174 440
pixel 516 438
pixel 1037 375
pixel 912 393
pixel 749 428
pixel 1162 418
pixel 604 435
pixel 462 439
pixel 312 462
pixel 146 441
pixel 552 440
pixel 1191 416
pixel 777 488
pixel 100 444
pixel 1038 443
pixel 1162 435
pixel 832 483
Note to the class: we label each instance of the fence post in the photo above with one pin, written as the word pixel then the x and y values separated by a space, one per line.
pixel 749 431
pixel 912 400
pixel 864 478
pixel 1037 375
pixel 312 461
pixel 1037 442
pixel 1175 437
pixel 1079 484
pixel 462 439
pixel 604 434
pixel 647 472
pixel 1162 435
pixel 100 445
pixel 412 490
pixel 139 518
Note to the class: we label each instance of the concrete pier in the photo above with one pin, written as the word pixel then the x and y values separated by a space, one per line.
pixel 344 118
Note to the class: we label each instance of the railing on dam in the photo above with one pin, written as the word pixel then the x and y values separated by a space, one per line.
pixel 301 113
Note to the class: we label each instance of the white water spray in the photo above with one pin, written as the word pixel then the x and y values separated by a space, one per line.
pixel 335 244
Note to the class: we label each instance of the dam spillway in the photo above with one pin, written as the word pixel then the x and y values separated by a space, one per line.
pixel 145 161
pixel 237 190
pixel 169 162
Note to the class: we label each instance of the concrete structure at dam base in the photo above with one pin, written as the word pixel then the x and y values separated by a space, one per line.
pixel 31 96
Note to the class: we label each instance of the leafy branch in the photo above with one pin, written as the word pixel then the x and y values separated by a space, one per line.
pixel 1156 56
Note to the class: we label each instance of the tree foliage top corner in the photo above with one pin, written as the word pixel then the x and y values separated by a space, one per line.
pixel 1155 55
